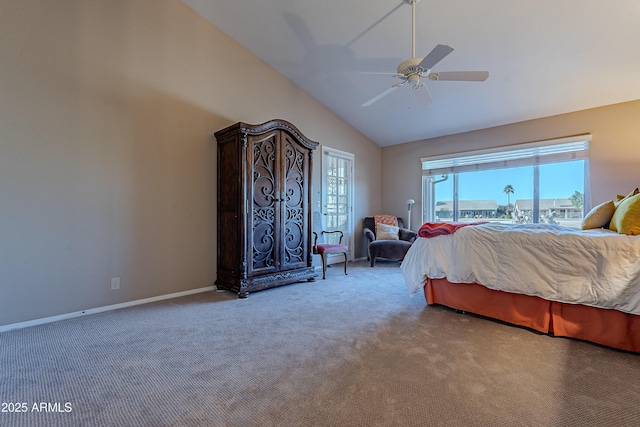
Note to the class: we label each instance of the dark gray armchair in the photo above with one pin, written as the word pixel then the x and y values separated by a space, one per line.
pixel 387 249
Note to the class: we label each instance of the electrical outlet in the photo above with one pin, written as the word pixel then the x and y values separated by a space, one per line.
pixel 115 283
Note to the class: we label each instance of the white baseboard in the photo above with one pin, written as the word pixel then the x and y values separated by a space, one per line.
pixel 65 316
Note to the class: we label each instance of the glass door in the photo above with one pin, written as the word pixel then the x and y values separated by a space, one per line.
pixel 337 196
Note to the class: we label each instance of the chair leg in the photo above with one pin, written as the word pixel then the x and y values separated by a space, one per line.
pixel 371 257
pixel 345 264
pixel 324 266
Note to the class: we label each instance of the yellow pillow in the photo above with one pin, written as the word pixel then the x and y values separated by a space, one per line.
pixel 626 218
pixel 387 232
pixel 599 216
pixel 620 198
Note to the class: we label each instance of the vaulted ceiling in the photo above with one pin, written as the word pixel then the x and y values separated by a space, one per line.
pixel 544 57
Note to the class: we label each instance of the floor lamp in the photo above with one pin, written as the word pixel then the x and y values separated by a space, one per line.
pixel 409 203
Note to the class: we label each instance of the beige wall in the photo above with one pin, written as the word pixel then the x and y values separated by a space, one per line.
pixel 107 161
pixel 614 152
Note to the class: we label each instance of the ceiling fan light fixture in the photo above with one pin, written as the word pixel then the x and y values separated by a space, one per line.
pixel 414 69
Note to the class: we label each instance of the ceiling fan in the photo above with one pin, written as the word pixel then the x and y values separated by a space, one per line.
pixel 415 69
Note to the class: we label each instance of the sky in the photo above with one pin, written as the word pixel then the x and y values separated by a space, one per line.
pixel 558 180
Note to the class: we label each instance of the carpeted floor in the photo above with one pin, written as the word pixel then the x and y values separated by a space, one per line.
pixel 351 350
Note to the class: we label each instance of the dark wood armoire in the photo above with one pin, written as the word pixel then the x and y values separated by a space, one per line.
pixel 264 206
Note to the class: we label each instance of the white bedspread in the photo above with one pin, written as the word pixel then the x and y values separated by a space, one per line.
pixel 599 268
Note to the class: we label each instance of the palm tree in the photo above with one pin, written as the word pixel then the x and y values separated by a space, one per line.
pixel 508 190
pixel 577 199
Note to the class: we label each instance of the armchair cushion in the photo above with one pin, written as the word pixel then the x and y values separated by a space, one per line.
pixel 387 232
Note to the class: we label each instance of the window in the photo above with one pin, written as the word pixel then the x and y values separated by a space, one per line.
pixel 539 182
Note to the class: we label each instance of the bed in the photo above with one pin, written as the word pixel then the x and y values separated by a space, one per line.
pixel 582 284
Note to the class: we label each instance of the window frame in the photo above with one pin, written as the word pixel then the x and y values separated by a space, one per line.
pixel 528 154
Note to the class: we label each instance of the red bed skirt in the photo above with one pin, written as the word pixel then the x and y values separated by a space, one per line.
pixel 602 326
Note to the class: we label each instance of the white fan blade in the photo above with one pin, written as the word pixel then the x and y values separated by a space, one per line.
pixel 422 93
pixel 383 94
pixel 461 76
pixel 436 55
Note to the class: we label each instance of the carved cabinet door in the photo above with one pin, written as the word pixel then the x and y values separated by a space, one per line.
pixel 277 217
pixel 264 203
pixel 294 204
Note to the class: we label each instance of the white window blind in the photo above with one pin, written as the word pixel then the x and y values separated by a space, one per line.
pixel 541 152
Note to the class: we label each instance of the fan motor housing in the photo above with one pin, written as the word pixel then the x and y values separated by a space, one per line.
pixel 411 70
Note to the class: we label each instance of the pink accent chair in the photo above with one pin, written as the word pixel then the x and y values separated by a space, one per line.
pixel 325 249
